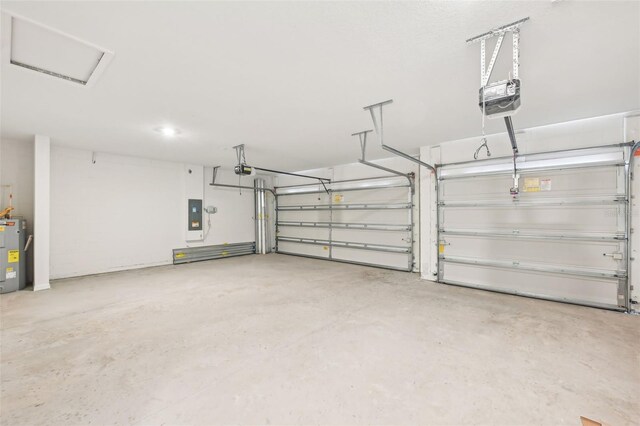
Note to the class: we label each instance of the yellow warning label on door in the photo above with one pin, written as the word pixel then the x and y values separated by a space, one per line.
pixel 531 185
pixel 1 228
pixel 13 256
pixel 338 198
pixel 440 248
pixel 9 269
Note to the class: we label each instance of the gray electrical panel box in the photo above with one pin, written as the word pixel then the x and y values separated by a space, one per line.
pixel 13 263
pixel 195 215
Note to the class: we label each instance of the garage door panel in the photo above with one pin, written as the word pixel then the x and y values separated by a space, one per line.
pixel 389 260
pixel 566 288
pixel 598 182
pixel 585 254
pixel 303 249
pixel 299 232
pixel 303 200
pixel 304 216
pixel 398 217
pixel 563 237
pixel 393 195
pixel 393 238
pixel 604 219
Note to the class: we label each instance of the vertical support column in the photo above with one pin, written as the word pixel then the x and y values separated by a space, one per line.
pixel 41 216
pixel 429 219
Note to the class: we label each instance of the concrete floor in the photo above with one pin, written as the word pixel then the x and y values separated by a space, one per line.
pixel 283 340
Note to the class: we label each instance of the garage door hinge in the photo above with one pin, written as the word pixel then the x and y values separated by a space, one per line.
pixel 614 255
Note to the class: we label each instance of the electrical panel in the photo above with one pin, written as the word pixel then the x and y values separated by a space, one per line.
pixel 195 215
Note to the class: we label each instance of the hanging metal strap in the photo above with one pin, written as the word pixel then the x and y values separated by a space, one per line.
pixel 363 148
pixel 379 127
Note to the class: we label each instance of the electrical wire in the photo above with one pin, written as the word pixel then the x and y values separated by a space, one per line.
pixel 206 234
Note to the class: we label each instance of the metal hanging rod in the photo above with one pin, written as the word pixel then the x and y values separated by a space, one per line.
pixel 369 188
pixel 224 185
pixel 243 169
pixel 363 148
pixel 514 147
pixel 379 127
pixel 336 182
pixel 279 172
pixel 512 134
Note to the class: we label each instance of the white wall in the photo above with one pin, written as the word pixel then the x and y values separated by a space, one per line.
pixel 584 133
pixel 234 222
pixel 16 169
pixel 126 212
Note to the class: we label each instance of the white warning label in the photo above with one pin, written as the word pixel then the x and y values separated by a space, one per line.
pixel 545 184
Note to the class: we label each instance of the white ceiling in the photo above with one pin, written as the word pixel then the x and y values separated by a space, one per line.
pixel 289 79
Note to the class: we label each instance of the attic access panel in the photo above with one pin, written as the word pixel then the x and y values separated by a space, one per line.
pixel 39 48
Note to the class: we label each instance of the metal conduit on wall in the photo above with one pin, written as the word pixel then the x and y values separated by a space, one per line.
pixel 263 245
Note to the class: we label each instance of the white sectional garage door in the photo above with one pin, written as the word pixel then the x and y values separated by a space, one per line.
pixel 363 221
pixel 564 237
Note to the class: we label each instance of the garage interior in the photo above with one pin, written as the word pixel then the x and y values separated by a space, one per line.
pixel 319 213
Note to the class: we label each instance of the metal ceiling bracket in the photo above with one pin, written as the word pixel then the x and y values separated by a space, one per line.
pixel 379 127
pixel 485 75
pixel 242 161
pixel 214 175
pixel 499 32
pixel 363 148
pixel 240 154
pixel 363 141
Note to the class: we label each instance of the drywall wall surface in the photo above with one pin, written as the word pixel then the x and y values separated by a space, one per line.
pixel 123 212
pixel 16 169
pixel 117 213
pixel 233 221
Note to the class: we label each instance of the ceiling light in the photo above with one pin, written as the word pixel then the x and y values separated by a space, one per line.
pixel 168 131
